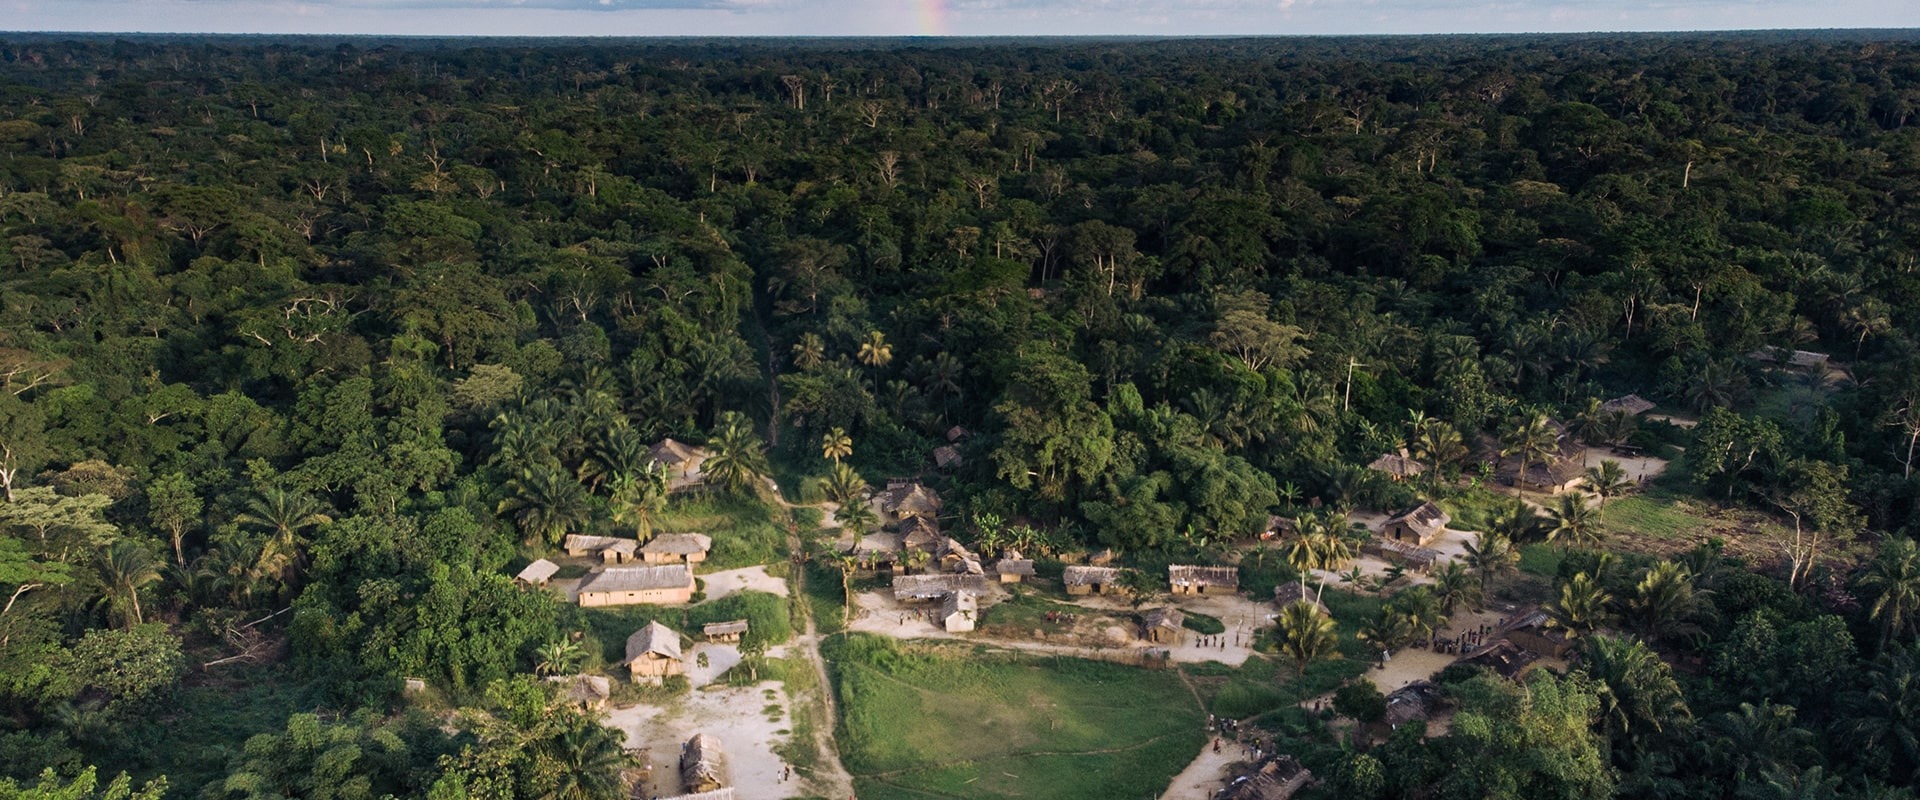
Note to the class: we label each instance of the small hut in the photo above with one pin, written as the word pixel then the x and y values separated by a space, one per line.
pixel 1398 466
pixel 609 549
pixel 921 534
pixel 1091 580
pixel 959 611
pixel 906 499
pixel 1013 570
pixel 703 766
pixel 677 456
pixel 676 548
pixel 588 692
pixel 538 573
pixel 1414 701
pixel 729 631
pixel 1162 625
pixel 1276 778
pixel 653 653
pixel 1189 579
pixel 1530 631
pixel 1413 557
pixel 1287 593
pixel 1417 526
pixel 956 433
pixel 1100 558
pixel 1278 526
pixel 1631 405
pixel 1505 658
pixel 947 457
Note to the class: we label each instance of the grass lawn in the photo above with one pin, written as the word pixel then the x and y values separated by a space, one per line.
pixel 745 530
pixel 1541 559
pixel 946 721
pixel 1657 515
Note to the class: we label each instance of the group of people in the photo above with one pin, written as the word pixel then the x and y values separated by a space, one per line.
pixel 1466 641
pixel 1217 641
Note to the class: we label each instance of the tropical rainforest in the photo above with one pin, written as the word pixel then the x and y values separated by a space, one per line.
pixel 308 344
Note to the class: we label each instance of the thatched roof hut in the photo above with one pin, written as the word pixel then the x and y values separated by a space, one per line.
pixel 1398 465
pixel 1277 778
pixel 1162 625
pixel 921 588
pixel 667 548
pixel 1630 404
pixel 1417 526
pixel 703 766
pixel 1091 580
pixel 729 631
pixel 959 611
pixel 538 573
pixel 587 691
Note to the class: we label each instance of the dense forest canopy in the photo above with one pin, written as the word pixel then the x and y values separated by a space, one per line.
pixel 345 327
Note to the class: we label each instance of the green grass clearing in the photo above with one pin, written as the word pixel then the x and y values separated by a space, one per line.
pixel 955 722
pixel 745 530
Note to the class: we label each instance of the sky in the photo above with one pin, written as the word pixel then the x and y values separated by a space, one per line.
pixel 942 17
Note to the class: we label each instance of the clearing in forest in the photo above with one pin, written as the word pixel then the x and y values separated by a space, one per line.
pixel 948 721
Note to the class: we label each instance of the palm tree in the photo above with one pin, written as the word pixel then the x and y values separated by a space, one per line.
pixel 1422 609
pixel 1574 521
pixel 809 351
pixel 125 568
pixel 735 458
pixel 836 444
pixel 285 517
pixel 621 452
pixel 580 762
pixel 1665 604
pixel 1388 630
pixel 1306 634
pixel 1441 446
pixel 1581 607
pixel 1894 581
pixel 1491 553
pixel 1637 690
pixel 856 515
pixel 941 377
pixel 1884 715
pixel 1754 740
pixel 874 351
pixel 1590 425
pixel 1609 480
pixel 1453 582
pixel 545 503
pixel 1533 441
pixel 633 498
pixel 844 484
pixel 558 657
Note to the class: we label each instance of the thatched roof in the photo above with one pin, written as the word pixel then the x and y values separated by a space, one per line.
pixel 1189 575
pixel 956 433
pixel 1630 405
pixel 920 533
pixel 1503 657
pixel 929 587
pixel 589 689
pixel 679 544
pixel 583 541
pixel 702 761
pixel 1277 778
pixel 960 602
pixel 1407 553
pixel 1278 525
pixel 1795 358
pixel 538 571
pixel 1014 566
pixel 1414 701
pixel 1287 593
pixel 1167 617
pixel 1087 576
pixel 654 639
pixel 728 628
pixel 912 499
pixel 722 793
pixel 635 579
pixel 1397 465
pixel 673 453
pixel 946 456
pixel 1425 519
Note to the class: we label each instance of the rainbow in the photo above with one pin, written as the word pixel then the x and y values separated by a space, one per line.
pixel 933 17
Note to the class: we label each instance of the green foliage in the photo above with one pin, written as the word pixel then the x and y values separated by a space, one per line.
pixel 1360 701
pixel 1202 624
pixel 767 615
pixel 84 786
pixel 136 670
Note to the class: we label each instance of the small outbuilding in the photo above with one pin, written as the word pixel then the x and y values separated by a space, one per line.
pixel 1417 526
pixel 1092 580
pixel 653 653
pixel 1013 570
pixel 676 548
pixel 677 456
pixel 959 611
pixel 1189 579
pixel 1286 593
pixel 906 499
pixel 1413 557
pixel 609 549
pixel 538 573
pixel 666 584
pixel 1530 631
pixel 1398 466
pixel 1505 658
pixel 947 457
pixel 1162 625
pixel 587 692
pixel 703 766
pixel 1631 405
pixel 729 631
pixel 1276 778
